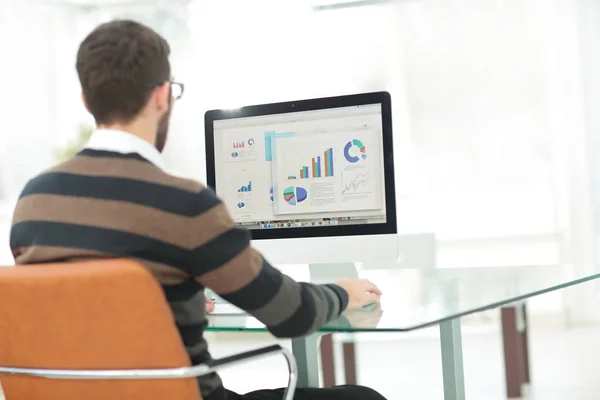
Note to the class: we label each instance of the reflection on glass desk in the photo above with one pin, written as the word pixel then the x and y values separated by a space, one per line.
pixel 414 299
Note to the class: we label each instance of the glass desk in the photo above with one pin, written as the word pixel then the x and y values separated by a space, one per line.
pixel 414 299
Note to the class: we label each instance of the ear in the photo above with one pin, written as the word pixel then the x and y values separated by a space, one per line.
pixel 85 103
pixel 161 96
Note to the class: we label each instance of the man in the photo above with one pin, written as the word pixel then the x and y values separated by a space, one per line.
pixel 114 199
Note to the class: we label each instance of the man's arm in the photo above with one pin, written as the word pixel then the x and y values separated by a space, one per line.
pixel 222 259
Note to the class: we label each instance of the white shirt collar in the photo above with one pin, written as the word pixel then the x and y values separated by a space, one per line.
pixel 124 143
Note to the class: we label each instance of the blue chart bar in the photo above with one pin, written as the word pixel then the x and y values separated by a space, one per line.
pixel 328 162
pixel 318 167
pixel 247 188
pixel 304 172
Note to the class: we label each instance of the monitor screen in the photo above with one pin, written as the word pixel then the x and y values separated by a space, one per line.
pixel 310 169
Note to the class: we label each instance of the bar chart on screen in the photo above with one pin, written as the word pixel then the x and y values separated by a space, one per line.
pixel 243 185
pixel 242 149
pixel 318 166
pixel 245 188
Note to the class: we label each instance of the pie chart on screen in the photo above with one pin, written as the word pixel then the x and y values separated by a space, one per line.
pixel 354 151
pixel 294 195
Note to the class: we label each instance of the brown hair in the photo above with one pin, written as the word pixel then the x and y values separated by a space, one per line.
pixel 119 63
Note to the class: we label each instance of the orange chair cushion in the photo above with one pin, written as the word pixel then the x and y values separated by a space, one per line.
pixel 106 314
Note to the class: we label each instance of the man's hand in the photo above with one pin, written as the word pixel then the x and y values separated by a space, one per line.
pixel 209 305
pixel 360 292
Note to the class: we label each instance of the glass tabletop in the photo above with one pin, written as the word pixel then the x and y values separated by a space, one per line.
pixel 414 299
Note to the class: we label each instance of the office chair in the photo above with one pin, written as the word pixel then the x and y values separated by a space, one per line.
pixel 95 330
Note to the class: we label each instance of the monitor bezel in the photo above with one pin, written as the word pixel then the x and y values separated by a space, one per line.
pixel 383 98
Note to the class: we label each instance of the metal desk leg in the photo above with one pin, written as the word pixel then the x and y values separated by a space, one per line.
pixel 327 361
pixel 452 360
pixel 516 352
pixel 350 362
pixel 306 351
pixel 525 343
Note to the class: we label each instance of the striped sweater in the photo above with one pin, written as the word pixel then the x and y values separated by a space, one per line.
pixel 108 204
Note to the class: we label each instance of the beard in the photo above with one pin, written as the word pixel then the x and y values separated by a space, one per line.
pixel 162 129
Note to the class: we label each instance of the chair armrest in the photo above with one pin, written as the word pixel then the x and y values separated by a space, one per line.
pixel 167 373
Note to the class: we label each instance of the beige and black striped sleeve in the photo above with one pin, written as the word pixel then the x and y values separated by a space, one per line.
pixel 222 259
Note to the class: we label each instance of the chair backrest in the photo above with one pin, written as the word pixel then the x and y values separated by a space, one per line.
pixel 106 314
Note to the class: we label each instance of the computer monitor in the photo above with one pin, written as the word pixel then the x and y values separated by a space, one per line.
pixel 313 180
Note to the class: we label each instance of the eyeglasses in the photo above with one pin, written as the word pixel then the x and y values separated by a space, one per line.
pixel 176 88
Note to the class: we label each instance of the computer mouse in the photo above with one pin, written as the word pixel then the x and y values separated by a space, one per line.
pixel 367 307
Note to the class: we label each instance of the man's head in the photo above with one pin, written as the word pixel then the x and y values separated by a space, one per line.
pixel 125 77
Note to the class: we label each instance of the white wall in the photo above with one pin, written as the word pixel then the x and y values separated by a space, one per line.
pixel 486 94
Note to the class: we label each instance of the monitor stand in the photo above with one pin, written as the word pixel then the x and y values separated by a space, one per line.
pixel 306 349
pixel 332 273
